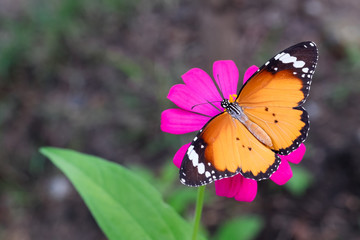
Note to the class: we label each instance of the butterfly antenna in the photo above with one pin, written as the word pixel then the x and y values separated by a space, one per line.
pixel 207 102
pixel 211 103
pixel 218 87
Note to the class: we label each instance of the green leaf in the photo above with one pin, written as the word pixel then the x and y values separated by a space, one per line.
pixel 242 228
pixel 300 181
pixel 124 205
pixel 181 198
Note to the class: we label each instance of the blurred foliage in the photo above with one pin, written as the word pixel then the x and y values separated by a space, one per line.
pixel 166 181
pixel 300 182
pixel 241 228
pixel 55 47
pixel 348 71
pixel 353 55
pixel 42 34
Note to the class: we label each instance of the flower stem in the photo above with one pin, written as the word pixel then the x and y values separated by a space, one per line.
pixel 198 211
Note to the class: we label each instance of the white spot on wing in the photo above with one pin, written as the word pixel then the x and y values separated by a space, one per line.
pixel 190 149
pixel 279 55
pixel 287 58
pixel 193 156
pixel 299 64
pixel 201 168
pixel 305 70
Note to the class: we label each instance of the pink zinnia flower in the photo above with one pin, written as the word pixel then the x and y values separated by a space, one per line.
pixel 199 88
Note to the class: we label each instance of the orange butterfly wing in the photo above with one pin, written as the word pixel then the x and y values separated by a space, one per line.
pixel 273 96
pixel 223 148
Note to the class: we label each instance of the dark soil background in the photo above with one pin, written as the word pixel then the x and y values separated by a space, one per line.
pixel 94 75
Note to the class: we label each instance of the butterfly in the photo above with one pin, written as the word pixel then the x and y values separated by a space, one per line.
pixel 265 119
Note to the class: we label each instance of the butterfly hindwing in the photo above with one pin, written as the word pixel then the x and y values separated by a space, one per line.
pixel 273 96
pixel 223 148
pixel 287 128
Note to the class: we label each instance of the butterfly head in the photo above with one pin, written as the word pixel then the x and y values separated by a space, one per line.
pixel 225 103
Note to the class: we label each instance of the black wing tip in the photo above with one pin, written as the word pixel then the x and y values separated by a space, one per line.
pixel 304 44
pixel 307 42
pixel 310 46
pixel 307 76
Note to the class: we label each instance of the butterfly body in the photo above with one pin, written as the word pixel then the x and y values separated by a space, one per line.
pixel 265 120
pixel 237 113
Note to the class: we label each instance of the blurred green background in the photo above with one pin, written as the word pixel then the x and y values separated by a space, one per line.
pixel 94 75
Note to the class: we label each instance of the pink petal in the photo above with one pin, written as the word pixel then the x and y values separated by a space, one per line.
pixel 241 188
pixel 226 75
pixel 249 72
pixel 223 187
pixel 248 190
pixel 178 121
pixel 283 174
pixel 296 156
pixel 185 98
pixel 179 155
pixel 202 86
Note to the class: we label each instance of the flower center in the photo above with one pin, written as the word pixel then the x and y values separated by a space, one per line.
pixel 232 97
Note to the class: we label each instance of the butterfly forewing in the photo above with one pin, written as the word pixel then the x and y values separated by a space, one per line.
pixel 291 69
pixel 197 169
pixel 273 96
